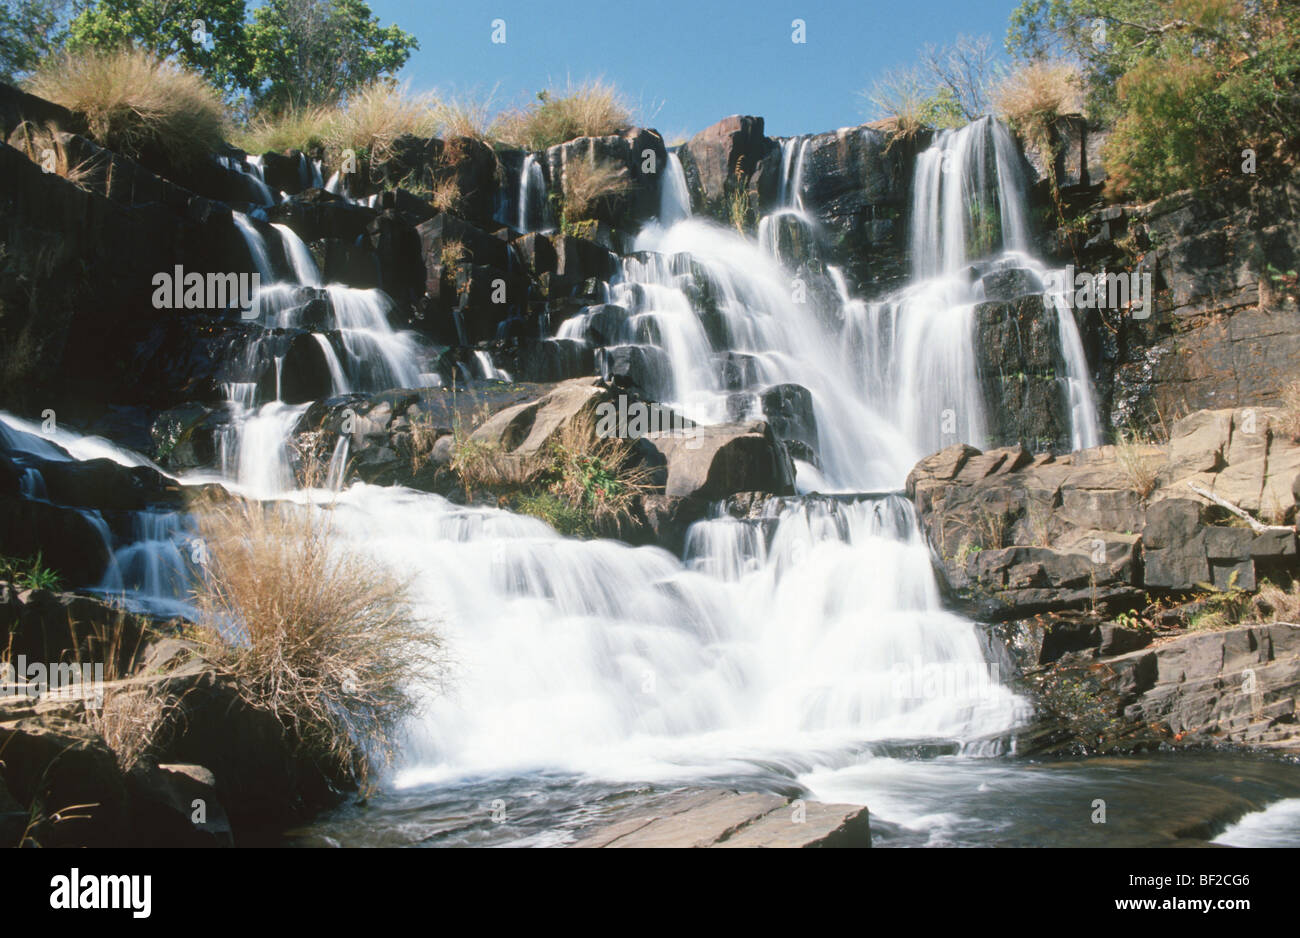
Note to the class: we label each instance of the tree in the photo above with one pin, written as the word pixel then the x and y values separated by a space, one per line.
pixel 205 35
pixel 313 52
pixel 1188 85
pixel 29 31
pixel 964 72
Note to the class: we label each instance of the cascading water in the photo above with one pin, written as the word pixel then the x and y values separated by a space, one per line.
pixel 361 351
pixel 533 209
pixel 796 640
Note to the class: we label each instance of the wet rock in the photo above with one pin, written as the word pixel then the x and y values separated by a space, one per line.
pixel 712 462
pixel 713 818
pixel 177 806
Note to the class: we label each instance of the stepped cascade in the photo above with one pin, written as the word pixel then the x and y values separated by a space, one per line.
pixel 794 641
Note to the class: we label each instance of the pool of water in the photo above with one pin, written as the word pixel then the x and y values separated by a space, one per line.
pixel 920 795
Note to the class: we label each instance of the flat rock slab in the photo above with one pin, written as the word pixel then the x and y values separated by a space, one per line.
pixel 720 818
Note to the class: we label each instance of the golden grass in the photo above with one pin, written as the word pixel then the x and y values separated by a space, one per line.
pixel 592 108
pixel 136 104
pixel 900 99
pixel 600 474
pixel 313 631
pixel 586 184
pixel 46 146
pixel 1038 92
pixel 304 129
pixel 445 196
pixel 1139 467
pixel 463 116
pixel 373 118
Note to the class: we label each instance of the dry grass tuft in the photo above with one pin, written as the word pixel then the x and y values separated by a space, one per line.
pixel 1140 466
pixel 136 104
pixel 1039 92
pixel 46 146
pixel 373 118
pixel 600 474
pixel 445 196
pixel 313 631
pixel 593 108
pixel 587 184
pixel 305 129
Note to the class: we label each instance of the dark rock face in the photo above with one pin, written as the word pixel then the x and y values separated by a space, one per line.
pixel 858 187
pixel 734 150
pixel 1223 332
pixel 640 159
pixel 1022 373
pixel 1237 685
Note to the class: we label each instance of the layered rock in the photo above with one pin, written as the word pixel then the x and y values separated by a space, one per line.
pixel 1018 534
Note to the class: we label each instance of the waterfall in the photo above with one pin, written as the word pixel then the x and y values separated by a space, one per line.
pixel 674 196
pixel 790 194
pixel 304 267
pixel 597 657
pixel 256 246
pixel 533 208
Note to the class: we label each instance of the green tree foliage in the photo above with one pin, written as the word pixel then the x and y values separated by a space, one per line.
pixel 313 52
pixel 1187 85
pixel 29 31
pixel 204 35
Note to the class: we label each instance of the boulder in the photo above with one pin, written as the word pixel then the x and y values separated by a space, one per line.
pixel 711 462
pixel 716 818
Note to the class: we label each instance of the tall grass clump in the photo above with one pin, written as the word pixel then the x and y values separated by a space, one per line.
pixel 306 129
pixel 588 185
pixel 592 108
pixel 374 117
pixel 313 631
pixel 599 474
pixel 136 104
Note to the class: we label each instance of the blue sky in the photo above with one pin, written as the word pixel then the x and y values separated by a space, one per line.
pixel 686 63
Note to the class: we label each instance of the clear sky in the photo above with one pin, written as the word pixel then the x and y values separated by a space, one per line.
pixel 686 63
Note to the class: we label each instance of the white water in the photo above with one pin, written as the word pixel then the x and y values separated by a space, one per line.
pixel 304 266
pixel 1278 825
pixel 532 214
pixel 674 196
pixel 597 657
pixel 594 657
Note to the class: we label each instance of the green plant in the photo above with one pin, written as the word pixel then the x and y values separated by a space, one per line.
pixel 30 573
pixel 310 52
pixel 1186 85
pixel 1221 608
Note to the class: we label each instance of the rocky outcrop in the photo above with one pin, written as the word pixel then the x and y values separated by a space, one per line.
pixel 731 153
pixel 1018 534
pixel 1238 685
pixel 713 818
pixel 1225 328
pixel 712 462
pixel 639 159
